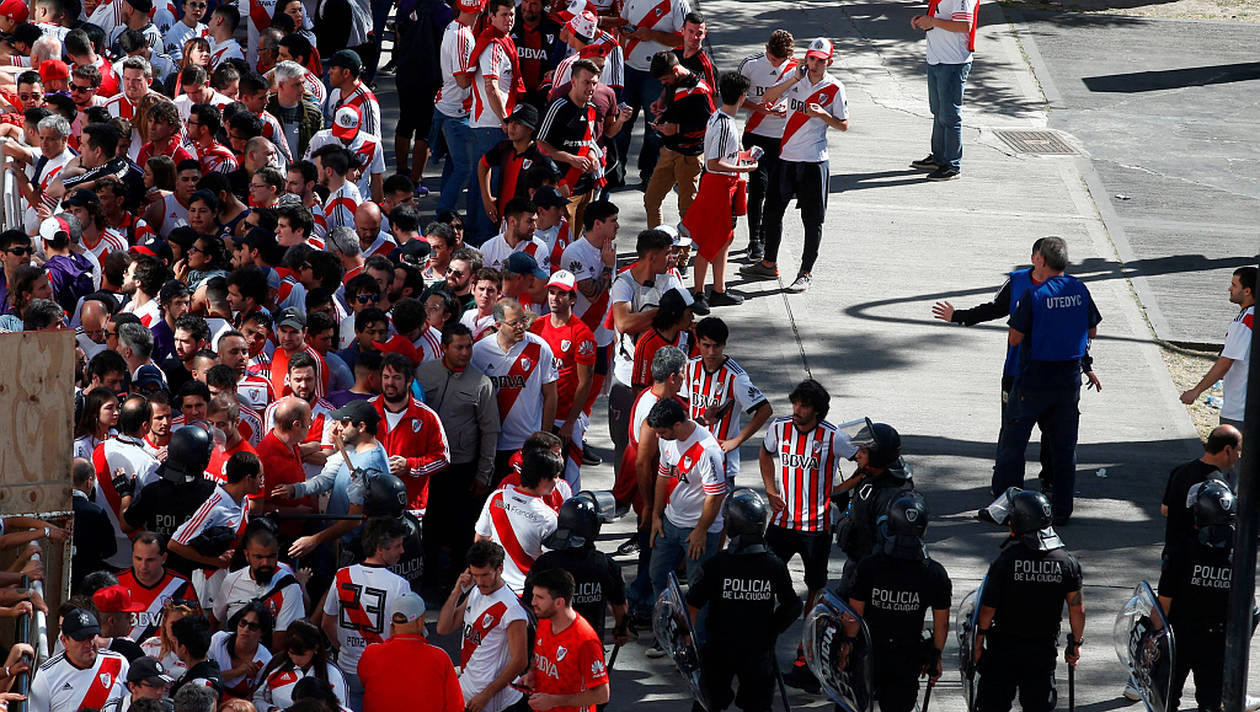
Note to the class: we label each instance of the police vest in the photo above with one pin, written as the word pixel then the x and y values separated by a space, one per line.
pixel 1060 320
pixel 1020 282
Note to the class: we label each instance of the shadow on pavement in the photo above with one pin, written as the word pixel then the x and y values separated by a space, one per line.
pixel 1132 82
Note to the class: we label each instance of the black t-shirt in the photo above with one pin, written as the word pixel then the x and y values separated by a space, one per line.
pixel 898 594
pixel 568 127
pixel 503 155
pixel 1179 530
pixel 127 648
pixel 689 104
pixel 1197 579
pixel 162 506
pixel 700 64
pixel 1027 590
pixel 596 576
pixel 750 598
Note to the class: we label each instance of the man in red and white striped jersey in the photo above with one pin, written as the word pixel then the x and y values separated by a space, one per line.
pixel 719 392
pixel 518 518
pixel 123 465
pixel 254 390
pixel 151 584
pixel 808 450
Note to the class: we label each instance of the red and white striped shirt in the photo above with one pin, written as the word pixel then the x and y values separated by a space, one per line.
pixel 704 390
pixel 362 98
pixel 154 598
pixel 255 391
pixel 517 521
pixel 109 241
pixel 808 463
pixel 220 510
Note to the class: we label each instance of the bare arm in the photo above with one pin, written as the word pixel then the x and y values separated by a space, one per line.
pixel 495 98
pixel 453 609
pixel 644 461
pixel 632 323
pixel 377 186
pixel 759 418
pixel 1214 374
pixel 585 377
pixel 776 92
pixel 1076 619
pixel 549 404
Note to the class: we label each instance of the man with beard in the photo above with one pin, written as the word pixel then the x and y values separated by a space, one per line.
pixel 151 584
pixel 264 579
pixel 411 432
pixel 302 382
pixel 459 275
pixel 568 655
pixel 520 216
pixel 538 49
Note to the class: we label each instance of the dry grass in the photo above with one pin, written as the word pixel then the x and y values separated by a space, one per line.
pixel 1186 368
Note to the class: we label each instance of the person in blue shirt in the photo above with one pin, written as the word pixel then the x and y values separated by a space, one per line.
pixel 1050 326
pixel 1003 306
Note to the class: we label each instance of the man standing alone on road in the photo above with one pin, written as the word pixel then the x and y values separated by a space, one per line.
pixel 951 42
pixel 1231 367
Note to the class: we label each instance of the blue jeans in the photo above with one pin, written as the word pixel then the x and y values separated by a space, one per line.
pixel 1056 411
pixel 641 90
pixel 477 225
pixel 670 548
pixel 461 160
pixel 945 95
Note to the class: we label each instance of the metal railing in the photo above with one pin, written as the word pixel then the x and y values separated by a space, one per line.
pixel 11 212
pixel 22 634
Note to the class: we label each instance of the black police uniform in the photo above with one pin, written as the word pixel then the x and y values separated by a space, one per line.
pixel 1179 532
pixel 1026 588
pixel 410 565
pixel 897 594
pixel 163 506
pixel 859 532
pixel 1197 579
pixel 596 577
pixel 750 602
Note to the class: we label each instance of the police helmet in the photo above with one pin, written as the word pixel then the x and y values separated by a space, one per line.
pixel 745 515
pixel 187 455
pixel 904 525
pixel 577 524
pixel 1030 519
pixel 385 496
pixel 885 448
pixel 1215 509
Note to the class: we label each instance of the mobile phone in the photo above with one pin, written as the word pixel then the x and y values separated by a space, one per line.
pixel 522 688
pixel 628 29
pixel 802 69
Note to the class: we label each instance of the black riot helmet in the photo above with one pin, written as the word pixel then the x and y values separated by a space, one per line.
pixel 577 524
pixel 187 455
pixel 1215 509
pixel 904 525
pixel 885 449
pixel 745 515
pixel 1030 519
pixel 385 496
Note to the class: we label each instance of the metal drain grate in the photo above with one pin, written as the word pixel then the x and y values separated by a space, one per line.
pixel 1042 143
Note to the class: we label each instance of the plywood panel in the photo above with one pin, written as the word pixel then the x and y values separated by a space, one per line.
pixel 36 409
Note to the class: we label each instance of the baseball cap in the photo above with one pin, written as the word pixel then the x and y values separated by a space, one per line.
pixel 359 411
pixel 583 24
pixel 55 225
pixel 116 599
pixel 291 317
pixel 413 252
pixel 521 263
pixel 148 669
pixel 53 69
pixel 148 375
pixel 820 48
pixel 563 279
pixel 173 288
pixel 346 59
pixel 595 49
pixel 548 197
pixel 82 198
pixel 526 115
pixel 80 625
pixel 407 608
pixel 346 123
pixel 679 298
pixel 569 10
pixel 15 10
pixel 473 6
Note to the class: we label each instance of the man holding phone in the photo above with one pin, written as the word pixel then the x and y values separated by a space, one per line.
pixel 682 115
pixel 646 28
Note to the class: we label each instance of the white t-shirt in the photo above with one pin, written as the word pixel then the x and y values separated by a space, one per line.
pixel 457 43
pixel 367 151
pixel 696 463
pixel 762 74
pixel 721 141
pixel 518 377
pixel 586 261
pixel 625 289
pixel 485 650
pixel 518 522
pixel 361 598
pixel 703 390
pixel 276 692
pixel 1237 347
pixel 805 138
pixel 239 588
pixel 496 251
pixel 660 15
pixel 495 64
pixel 945 47
pixel 479 325
pixel 219 653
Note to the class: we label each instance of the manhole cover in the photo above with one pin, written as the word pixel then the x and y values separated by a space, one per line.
pixel 1043 143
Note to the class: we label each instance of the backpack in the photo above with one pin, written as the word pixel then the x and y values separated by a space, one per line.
pixel 71 279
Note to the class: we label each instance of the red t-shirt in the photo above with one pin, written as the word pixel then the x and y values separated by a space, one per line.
pixel 282 465
pixel 403 666
pixel 579 668
pixel 645 348
pixel 571 344
pixel 219 458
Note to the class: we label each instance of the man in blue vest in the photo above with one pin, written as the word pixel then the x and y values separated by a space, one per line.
pixel 1003 305
pixel 1051 326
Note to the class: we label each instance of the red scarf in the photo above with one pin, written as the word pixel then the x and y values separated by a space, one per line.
pixel 490 36
pixel 975 20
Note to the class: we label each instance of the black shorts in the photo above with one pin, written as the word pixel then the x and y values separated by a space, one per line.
pixel 415 116
pixel 814 548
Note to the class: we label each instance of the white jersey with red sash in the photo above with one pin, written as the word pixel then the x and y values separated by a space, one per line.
pixel 807 466
pixel 518 521
pixel 659 15
pixel 240 685
pixel 154 598
pixel 276 692
pixel 805 138
pixel 61 686
pixel 518 377
pixel 945 47
pixel 496 251
pixel 586 262
pixel 220 510
pixel 728 387
pixel 360 599
pixel 485 650
pixel 361 98
pixel 340 206
pixel 216 158
pixel 557 238
pixel 695 468
pixel 128 455
pixel 255 391
pixel 109 241
pixel 366 149
pixel 762 74
pixel 222 51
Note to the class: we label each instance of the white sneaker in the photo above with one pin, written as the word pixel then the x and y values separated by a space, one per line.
pixel 1131 691
pixel 801 284
pixel 656 651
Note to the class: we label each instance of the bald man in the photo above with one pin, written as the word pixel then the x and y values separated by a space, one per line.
pixel 367 224
pixel 93 317
pixel 280 449
pixel 1220 454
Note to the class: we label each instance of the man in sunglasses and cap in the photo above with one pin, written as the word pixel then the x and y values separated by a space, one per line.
pixel 81 676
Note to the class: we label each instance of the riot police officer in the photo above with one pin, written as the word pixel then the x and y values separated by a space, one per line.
pixel 386 496
pixel 892 590
pixel 181 488
pixel 884 477
pixel 1194 593
pixel 1020 607
pixel 597 578
pixel 750 601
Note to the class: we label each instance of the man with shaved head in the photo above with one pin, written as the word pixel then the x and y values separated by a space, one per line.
pixel 93 317
pixel 367 224
pixel 280 452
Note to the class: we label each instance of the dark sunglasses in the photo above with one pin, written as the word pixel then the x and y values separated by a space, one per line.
pixel 251 625
pixel 19 251
pixel 365 298
pixel 81 89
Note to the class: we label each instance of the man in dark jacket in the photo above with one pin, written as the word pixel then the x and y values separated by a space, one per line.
pixel 299 117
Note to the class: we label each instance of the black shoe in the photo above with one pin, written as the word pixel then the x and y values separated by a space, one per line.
pixel 702 303
pixel 943 173
pixel 801 678
pixel 759 270
pixel 725 299
pixel 756 250
pixel 926 164
pixel 589 457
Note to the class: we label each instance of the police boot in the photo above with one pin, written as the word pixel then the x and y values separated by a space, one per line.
pixel 800 676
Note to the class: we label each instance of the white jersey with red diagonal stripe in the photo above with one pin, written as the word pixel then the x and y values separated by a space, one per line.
pixel 255 391
pixel 62 686
pixel 517 521
pixel 429 343
pixel 485 650
pixel 695 466
pixel 220 510
pixel 221 52
pixel 340 206
pixel 362 98
pixel 360 600
pixel 807 466
pixel 762 74
pixel 127 454
pixel 148 313
pixel 704 390
pixel 660 15
pixel 494 63
pixel 496 251
pixel 586 261
pixel 110 241
pixel 518 377
pixel 805 138
pixel 366 148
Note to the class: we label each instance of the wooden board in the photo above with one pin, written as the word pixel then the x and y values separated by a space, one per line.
pixel 36 410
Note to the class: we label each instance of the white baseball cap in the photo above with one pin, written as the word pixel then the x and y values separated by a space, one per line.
pixel 820 48
pixel 563 279
pixel 407 608
pixel 346 123
pixel 584 24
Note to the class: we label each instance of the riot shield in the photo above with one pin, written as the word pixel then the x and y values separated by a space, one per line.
pixel 968 614
pixel 1145 645
pixel 838 651
pixel 672 625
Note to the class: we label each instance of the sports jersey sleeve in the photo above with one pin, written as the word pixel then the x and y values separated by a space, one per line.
pixel 713 472
pixel 485 525
pixel 548 365
pixel 437 451
pixel 747 395
pixel 1238 339
pixel 584 352
pixel 942 588
pixel 594 671
pixel 839 106
pixel 378 161
pixel 196 524
pixel 771 441
pixel 291 607
pixel 332 603
pixel 642 374
pixel 1021 319
pixel 489 62
pixel 621 291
